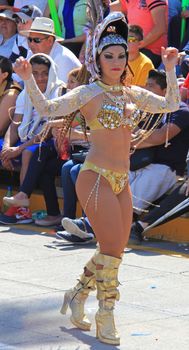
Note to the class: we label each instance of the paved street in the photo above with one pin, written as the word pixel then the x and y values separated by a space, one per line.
pixel 36 269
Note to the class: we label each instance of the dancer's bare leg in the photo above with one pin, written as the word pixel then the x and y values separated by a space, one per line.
pixel 112 220
pixel 125 200
pixel 111 224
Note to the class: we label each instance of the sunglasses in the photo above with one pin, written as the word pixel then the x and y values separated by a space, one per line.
pixel 37 40
pixel 132 39
pixel 20 20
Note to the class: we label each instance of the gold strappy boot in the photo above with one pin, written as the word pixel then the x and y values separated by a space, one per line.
pixel 107 293
pixel 75 298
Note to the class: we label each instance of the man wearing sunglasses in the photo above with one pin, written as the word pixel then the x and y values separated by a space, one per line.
pixel 7 32
pixel 139 63
pixel 23 19
pixel 42 39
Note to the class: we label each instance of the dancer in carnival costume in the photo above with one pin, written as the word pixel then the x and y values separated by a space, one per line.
pixel 102 185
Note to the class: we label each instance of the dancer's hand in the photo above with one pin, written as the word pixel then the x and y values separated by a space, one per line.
pixel 169 57
pixel 23 68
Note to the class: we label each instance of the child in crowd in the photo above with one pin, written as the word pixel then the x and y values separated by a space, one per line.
pixel 139 63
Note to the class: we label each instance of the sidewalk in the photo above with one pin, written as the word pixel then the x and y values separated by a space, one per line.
pixel 36 269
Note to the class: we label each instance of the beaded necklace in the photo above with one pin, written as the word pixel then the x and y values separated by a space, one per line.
pixel 118 87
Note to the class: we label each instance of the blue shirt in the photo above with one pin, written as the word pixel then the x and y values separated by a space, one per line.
pixel 174 7
pixel 175 154
pixel 6 47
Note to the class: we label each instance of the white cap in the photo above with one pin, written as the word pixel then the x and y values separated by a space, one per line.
pixel 8 15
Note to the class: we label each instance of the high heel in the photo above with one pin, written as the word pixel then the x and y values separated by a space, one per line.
pixel 65 304
pixel 107 294
pixel 75 298
pixel 76 304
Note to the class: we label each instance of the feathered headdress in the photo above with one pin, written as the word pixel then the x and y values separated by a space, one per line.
pixel 97 25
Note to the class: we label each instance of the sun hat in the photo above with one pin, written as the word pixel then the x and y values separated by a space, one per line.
pixel 42 25
pixel 28 12
pixel 7 14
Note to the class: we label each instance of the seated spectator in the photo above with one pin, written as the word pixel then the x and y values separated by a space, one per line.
pixel 42 39
pixel 164 212
pixel 8 32
pixel 172 142
pixel 73 17
pixel 77 142
pixel 152 18
pixel 41 172
pixel 45 171
pixel 41 4
pixel 20 137
pixel 139 63
pixel 9 91
pixel 23 19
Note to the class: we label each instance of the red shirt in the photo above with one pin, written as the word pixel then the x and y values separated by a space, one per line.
pixel 186 82
pixel 139 12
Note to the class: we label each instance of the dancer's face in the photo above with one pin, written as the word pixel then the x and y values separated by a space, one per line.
pixel 112 62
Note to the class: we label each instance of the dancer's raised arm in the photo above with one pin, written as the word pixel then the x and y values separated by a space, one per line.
pixel 62 106
pixel 150 102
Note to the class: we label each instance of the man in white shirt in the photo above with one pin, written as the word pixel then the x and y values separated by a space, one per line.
pixel 7 32
pixel 42 39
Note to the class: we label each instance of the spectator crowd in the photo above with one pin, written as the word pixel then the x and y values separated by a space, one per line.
pixel 53 39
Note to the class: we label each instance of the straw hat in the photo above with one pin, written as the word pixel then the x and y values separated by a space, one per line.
pixel 42 25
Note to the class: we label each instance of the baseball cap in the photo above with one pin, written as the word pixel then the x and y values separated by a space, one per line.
pixel 7 14
pixel 28 12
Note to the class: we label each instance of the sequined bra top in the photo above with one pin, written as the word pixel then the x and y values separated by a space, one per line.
pixel 111 116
